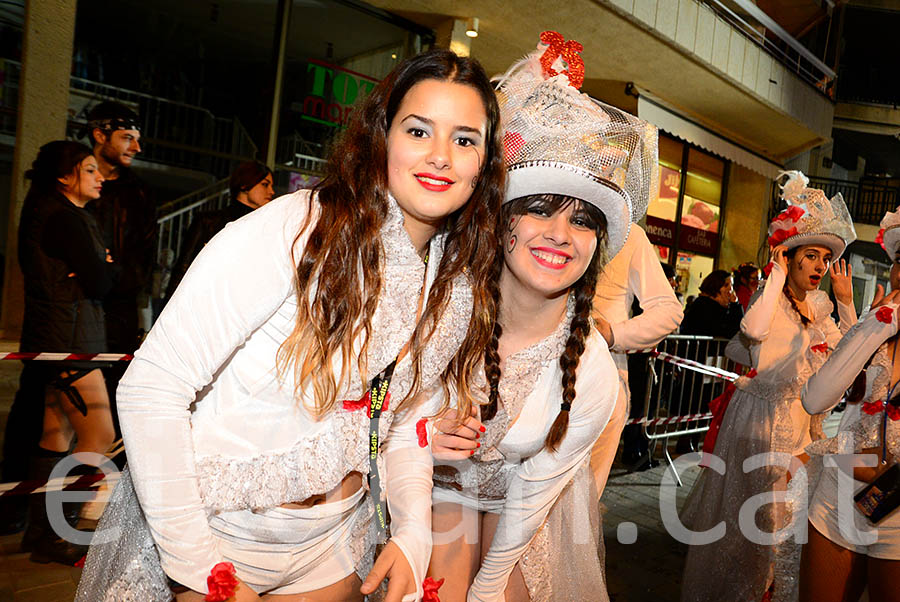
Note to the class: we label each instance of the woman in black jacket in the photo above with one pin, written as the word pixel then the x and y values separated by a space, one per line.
pixel 67 272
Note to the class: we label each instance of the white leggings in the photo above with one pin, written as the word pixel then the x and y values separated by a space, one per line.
pixel 294 550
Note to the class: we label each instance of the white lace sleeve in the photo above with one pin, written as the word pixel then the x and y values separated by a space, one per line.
pixel 758 319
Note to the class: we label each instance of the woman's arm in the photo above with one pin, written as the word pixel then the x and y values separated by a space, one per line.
pixel 662 312
pixel 758 319
pixel 234 286
pixel 541 478
pixel 825 388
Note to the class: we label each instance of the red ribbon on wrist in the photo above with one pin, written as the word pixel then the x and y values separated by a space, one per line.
pixel 430 589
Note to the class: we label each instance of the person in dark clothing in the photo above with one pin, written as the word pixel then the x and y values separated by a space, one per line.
pixel 127 218
pixel 251 188
pixel 636 449
pixel 67 271
pixel 715 312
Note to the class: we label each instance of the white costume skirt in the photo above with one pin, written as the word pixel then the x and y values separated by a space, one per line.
pixel 277 550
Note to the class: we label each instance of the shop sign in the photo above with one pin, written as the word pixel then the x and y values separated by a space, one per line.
pixel 698 241
pixel 332 93
pixel 660 231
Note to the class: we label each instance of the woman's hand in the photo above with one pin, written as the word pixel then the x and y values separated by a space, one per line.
pixel 880 298
pixel 453 441
pixel 391 564
pixel 842 281
pixel 779 258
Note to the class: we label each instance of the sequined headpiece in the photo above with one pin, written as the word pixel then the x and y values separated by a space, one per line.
pixel 811 217
pixel 889 235
pixel 558 140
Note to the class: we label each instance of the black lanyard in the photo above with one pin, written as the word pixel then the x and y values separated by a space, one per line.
pixel 378 394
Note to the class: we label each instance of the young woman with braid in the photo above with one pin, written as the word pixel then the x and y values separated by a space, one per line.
pixel 786 335
pixel 515 510
pixel 249 411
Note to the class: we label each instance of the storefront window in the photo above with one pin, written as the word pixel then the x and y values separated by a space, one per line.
pixel 692 268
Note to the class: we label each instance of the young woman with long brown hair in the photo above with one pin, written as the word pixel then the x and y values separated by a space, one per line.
pixel 378 282
pixel 549 380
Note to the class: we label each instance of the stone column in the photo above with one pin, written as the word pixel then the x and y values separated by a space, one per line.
pixel 47 45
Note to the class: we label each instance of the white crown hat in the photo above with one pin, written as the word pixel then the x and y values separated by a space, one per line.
pixel 889 235
pixel 811 217
pixel 558 140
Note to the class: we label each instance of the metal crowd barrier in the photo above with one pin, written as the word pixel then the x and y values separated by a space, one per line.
pixel 677 398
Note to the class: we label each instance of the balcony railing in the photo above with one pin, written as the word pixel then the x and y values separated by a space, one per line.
pixel 867 200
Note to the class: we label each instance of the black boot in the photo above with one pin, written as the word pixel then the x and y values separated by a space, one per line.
pixel 40 539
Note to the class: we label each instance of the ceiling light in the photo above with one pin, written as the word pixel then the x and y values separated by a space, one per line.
pixel 472 27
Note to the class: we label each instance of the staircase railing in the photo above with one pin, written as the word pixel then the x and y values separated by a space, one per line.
pixel 178 214
pixel 867 200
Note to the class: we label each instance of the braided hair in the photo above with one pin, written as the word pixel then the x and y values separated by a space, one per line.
pixel 579 329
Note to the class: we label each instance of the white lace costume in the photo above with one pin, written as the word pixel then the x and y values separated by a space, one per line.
pixel 211 429
pixel 633 272
pixel 765 415
pixel 548 506
pixel 858 430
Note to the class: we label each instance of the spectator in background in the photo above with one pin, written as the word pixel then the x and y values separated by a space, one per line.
pixel 715 312
pixel 67 271
pixel 251 188
pixel 746 281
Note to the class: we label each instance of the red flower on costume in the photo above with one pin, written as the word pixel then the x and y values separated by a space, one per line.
pixel 221 582
pixel 879 238
pixel 431 587
pixel 885 314
pixel 792 213
pixel 873 407
pixel 893 412
pixel 768 269
pixel 80 563
pixel 779 236
pixel 422 432
pixel 821 348
pixel 751 373
pixel 351 405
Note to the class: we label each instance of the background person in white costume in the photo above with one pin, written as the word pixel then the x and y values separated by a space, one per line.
pixel 243 413
pixel 838 566
pixel 633 273
pixel 787 333
pixel 515 517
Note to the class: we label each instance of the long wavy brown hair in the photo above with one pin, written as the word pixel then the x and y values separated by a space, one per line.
pixel 339 274
pixel 579 329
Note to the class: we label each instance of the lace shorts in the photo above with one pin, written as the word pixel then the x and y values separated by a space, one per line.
pixel 823 514
pixel 294 550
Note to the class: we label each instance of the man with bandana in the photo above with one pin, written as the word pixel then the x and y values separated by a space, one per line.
pixel 127 217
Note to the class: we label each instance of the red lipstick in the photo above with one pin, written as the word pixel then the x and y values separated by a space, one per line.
pixel 433 183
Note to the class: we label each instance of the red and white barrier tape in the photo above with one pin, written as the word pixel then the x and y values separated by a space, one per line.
pixel 670 419
pixel 80 483
pixel 58 357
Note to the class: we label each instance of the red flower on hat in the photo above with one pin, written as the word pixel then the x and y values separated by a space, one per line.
pixel 820 348
pixel 873 407
pixel 221 582
pixel 885 314
pixel 422 432
pixel 879 238
pixel 792 213
pixel 779 236
pixel 512 144
pixel 431 587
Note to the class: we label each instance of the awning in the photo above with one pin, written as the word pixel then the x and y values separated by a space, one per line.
pixel 696 134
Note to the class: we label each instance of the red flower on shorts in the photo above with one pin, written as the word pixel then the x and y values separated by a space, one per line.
pixel 873 407
pixel 779 236
pixel 221 582
pixel 422 432
pixel 431 587
pixel 893 412
pixel 885 314
pixel 879 238
pixel 821 348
